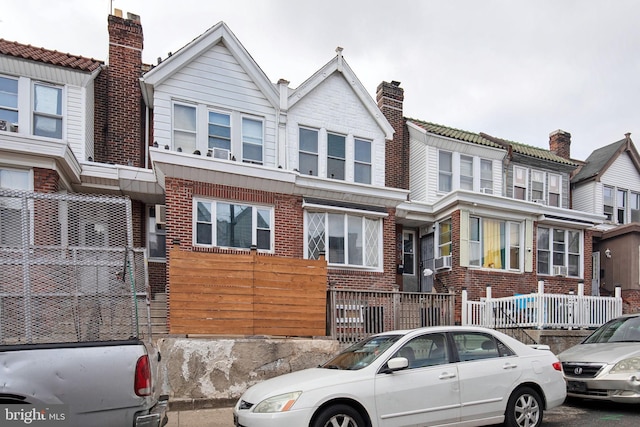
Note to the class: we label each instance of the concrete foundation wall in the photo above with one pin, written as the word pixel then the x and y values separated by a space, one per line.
pixel 213 372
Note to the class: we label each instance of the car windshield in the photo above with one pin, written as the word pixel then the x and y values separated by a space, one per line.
pixel 362 354
pixel 622 329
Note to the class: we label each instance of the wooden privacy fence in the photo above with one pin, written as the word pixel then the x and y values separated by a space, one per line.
pixel 238 294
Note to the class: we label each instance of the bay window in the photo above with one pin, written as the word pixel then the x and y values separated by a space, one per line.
pixel 559 251
pixel 495 244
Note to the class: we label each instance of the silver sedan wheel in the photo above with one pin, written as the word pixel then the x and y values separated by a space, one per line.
pixel 524 409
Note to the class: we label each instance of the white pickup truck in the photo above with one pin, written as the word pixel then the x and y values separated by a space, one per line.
pixel 73 301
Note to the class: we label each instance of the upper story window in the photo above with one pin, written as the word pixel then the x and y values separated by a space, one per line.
pixel 232 225
pixel 348 239
pixel 486 176
pixel 608 202
pixel 10 209
pixel 219 134
pixel 445 171
pixel 466 173
pixel 252 139
pixel 495 244
pixel 184 128
pixel 336 156
pixel 520 181
pixel 47 110
pixel 634 205
pixel 308 154
pixel 409 252
pixel 537 186
pixel 9 100
pixel 621 206
pixel 362 161
pixel 559 252
pixel 555 189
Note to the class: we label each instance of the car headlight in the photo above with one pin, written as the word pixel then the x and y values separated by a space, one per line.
pixel 280 403
pixel 627 365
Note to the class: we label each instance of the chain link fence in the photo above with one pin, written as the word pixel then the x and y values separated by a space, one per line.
pixel 69 272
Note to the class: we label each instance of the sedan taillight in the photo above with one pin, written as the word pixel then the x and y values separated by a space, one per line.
pixel 557 366
pixel 142 383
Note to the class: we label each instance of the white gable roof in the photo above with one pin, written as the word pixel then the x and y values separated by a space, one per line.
pixel 339 65
pixel 214 35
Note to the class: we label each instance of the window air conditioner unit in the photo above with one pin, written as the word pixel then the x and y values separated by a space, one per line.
pixel 221 153
pixel 560 270
pixel 7 126
pixel 486 190
pixel 540 201
pixel 442 262
pixel 161 214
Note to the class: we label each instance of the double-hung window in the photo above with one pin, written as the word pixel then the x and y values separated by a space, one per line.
pixel 466 173
pixel 445 171
pixel 336 157
pixel 486 176
pixel 559 249
pixel 621 206
pixel 184 128
pixel 608 202
pixel 494 244
pixel 520 177
pixel 555 188
pixel 308 151
pixel 348 239
pixel 219 134
pixel 362 165
pixel 10 208
pixel 537 186
pixel 47 110
pixel 444 238
pixel 252 141
pixel 634 205
pixel 232 225
pixel 9 100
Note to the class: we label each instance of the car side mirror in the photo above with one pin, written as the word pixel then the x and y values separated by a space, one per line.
pixel 397 363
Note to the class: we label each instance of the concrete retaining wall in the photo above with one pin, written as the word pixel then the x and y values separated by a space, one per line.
pixel 213 372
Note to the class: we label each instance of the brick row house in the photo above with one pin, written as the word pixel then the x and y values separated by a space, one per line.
pixel 218 160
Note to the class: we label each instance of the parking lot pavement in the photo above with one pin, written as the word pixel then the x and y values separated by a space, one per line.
pixel 220 417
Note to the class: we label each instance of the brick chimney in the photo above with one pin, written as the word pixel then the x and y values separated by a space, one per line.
pixel 390 98
pixel 119 107
pixel 560 143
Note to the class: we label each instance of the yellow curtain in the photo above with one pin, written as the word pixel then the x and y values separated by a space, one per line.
pixel 492 244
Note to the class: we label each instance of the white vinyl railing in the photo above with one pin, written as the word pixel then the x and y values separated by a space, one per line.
pixel 541 311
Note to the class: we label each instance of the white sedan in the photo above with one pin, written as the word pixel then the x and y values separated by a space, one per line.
pixel 449 375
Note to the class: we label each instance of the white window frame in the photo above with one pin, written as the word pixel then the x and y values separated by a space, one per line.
pixel 254 224
pixel 371 218
pixel 310 154
pixel 509 245
pixel 445 173
pixel 209 123
pixel 486 183
pixel 538 177
pixel 362 163
pixel 335 158
pixel 157 231
pixel 248 143
pixel 186 131
pixel 554 191
pixel 28 174
pixel 520 181
pixel 9 108
pixel 48 115
pixel 553 248
pixel 608 201
pixel 621 206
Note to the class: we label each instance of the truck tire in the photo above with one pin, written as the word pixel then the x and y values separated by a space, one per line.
pixel 341 415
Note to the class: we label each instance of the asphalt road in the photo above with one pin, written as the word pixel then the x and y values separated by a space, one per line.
pixel 574 413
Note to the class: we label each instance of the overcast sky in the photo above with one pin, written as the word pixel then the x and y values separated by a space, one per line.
pixel 514 69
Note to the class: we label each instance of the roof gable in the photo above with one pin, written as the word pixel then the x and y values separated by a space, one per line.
pixel 601 159
pixel 340 66
pixel 51 57
pixel 219 33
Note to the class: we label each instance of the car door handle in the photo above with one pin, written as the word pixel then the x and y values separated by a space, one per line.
pixel 509 366
pixel 446 375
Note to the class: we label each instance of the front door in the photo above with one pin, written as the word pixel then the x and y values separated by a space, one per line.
pixel 426 262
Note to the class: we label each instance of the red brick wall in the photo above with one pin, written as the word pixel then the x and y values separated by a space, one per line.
pixel 45 180
pixel 123 142
pixel 390 98
pixel 157 277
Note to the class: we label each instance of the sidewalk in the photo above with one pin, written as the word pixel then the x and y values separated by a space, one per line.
pixel 221 417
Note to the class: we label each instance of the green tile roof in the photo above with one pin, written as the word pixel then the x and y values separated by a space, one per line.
pixel 490 141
